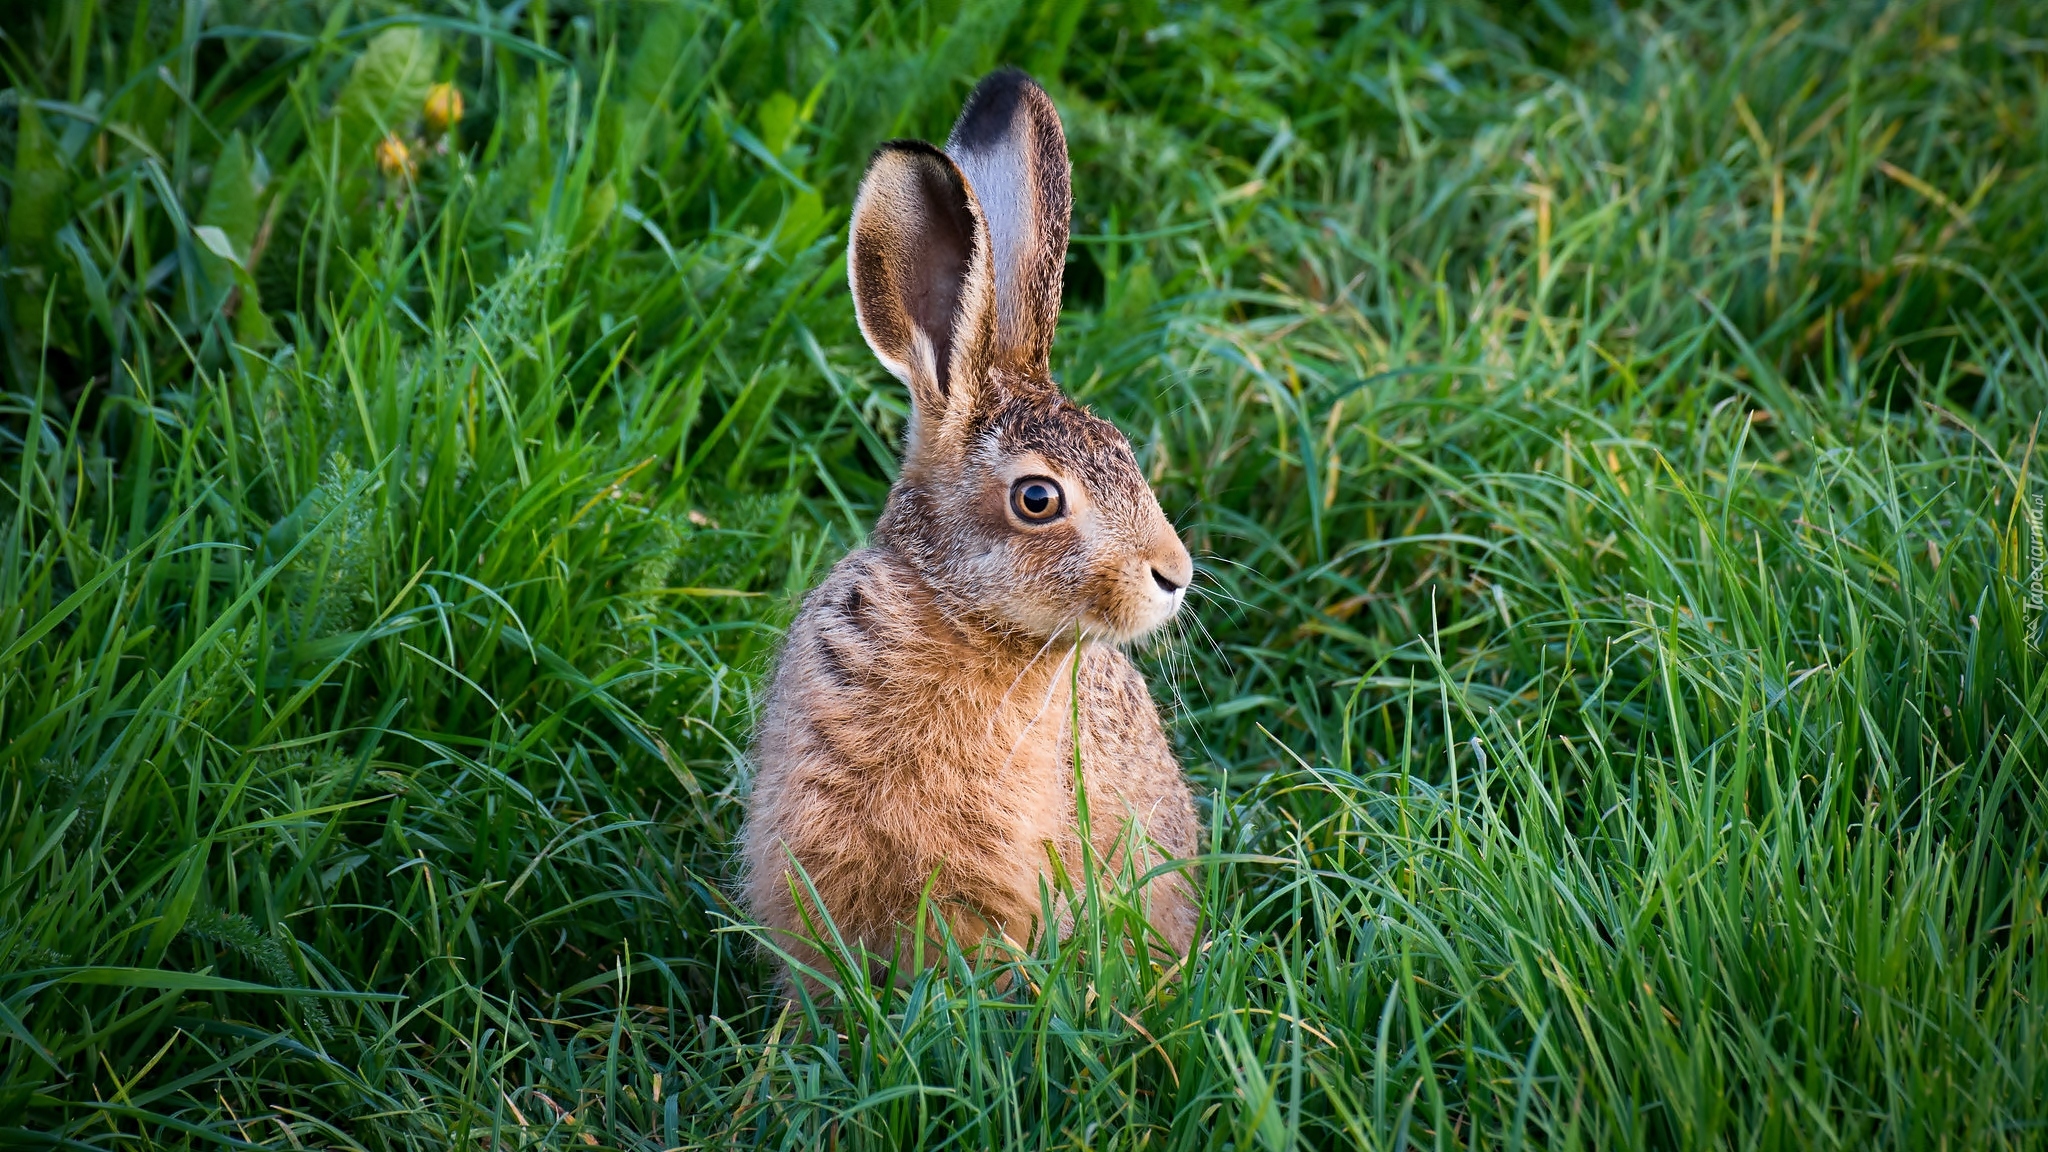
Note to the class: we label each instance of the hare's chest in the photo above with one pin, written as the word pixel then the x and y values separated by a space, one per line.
pixel 1015 770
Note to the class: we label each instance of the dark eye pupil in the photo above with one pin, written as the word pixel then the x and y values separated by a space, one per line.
pixel 1037 498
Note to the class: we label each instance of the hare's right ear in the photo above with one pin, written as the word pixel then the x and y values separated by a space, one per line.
pixel 923 290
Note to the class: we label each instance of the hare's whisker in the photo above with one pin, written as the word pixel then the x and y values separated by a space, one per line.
pixel 1218 592
pixel 1187 655
pixel 1051 688
pixel 1213 645
pixel 1229 666
pixel 1175 656
pixel 1218 597
pixel 1021 673
pixel 1220 558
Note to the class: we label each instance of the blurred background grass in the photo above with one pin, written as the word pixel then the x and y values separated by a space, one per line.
pixel 1607 435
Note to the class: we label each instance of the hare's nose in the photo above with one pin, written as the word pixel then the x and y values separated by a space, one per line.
pixel 1172 567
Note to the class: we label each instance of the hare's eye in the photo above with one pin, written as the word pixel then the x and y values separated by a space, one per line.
pixel 1037 499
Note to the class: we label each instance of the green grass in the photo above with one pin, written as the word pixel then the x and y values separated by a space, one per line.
pixel 1606 435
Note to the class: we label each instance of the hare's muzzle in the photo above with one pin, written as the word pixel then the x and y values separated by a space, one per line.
pixel 1170 568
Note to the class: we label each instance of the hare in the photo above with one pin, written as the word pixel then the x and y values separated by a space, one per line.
pixel 917 739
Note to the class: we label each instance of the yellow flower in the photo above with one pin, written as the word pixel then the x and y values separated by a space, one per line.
pixel 443 108
pixel 394 159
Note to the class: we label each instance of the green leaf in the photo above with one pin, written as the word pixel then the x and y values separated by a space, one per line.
pixel 37 211
pixel 252 327
pixel 166 980
pixel 598 205
pixel 40 183
pixel 384 92
pixel 227 229
pixel 179 908
pixel 1052 30
pixel 801 222
pixel 217 242
pixel 778 122
pixel 231 196
pixel 657 56
pixel 89 271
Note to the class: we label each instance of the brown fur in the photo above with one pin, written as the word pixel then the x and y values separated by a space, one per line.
pixel 919 729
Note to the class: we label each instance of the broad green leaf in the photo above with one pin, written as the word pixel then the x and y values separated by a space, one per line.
pixel 778 122
pixel 231 197
pixel 252 326
pixel 668 59
pixel 37 210
pixel 226 232
pixel 179 907
pixel 802 222
pixel 89 272
pixel 40 183
pixel 217 242
pixel 656 56
pixel 384 92
pixel 598 205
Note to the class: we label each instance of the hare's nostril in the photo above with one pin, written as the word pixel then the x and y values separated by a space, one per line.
pixel 1165 585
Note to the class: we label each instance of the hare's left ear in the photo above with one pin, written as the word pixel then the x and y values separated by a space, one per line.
pixel 1009 145
pixel 918 263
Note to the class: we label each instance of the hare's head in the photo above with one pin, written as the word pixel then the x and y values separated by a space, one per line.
pixel 1020 509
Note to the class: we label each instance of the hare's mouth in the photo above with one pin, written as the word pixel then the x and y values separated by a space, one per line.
pixel 1140 609
pixel 1124 609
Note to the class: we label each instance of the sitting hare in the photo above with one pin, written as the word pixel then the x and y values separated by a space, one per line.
pixel 919 731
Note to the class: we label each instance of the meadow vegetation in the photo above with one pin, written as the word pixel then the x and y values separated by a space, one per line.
pixel 1607 434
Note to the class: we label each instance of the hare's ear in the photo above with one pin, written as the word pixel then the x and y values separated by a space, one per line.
pixel 919 265
pixel 1009 144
